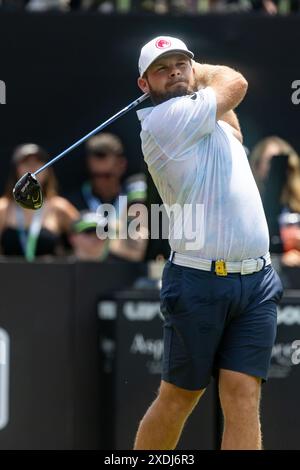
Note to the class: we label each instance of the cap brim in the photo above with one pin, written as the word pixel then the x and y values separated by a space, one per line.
pixel 173 51
pixel 81 226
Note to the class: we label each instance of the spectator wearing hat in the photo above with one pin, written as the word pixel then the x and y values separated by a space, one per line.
pixel 87 246
pixel 34 233
pixel 106 167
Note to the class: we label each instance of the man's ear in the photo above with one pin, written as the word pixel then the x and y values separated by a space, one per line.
pixel 143 85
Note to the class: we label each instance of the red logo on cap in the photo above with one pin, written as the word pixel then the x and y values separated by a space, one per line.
pixel 162 43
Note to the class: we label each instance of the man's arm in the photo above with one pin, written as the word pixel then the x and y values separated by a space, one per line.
pixel 231 118
pixel 229 86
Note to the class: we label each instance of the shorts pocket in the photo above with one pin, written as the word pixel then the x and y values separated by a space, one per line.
pixel 171 289
pixel 279 287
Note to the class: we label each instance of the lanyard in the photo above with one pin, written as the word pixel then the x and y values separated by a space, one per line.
pixel 28 239
pixel 94 202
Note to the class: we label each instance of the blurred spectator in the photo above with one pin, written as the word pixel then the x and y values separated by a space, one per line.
pixel 35 5
pixel 103 6
pixel 166 6
pixel 159 7
pixel 276 168
pixel 268 6
pixel 83 238
pixel 133 249
pixel 106 166
pixel 46 5
pixel 34 233
pixel 137 6
pixel 225 6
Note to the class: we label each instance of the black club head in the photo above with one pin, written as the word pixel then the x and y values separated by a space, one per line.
pixel 27 192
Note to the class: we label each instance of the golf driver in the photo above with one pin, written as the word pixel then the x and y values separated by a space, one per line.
pixel 27 191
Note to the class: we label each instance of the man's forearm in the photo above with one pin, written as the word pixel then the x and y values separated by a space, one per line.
pixel 206 74
pixel 219 77
pixel 231 118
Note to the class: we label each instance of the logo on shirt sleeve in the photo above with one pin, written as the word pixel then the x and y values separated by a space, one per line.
pixel 163 43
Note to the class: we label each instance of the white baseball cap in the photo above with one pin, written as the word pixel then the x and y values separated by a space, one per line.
pixel 159 46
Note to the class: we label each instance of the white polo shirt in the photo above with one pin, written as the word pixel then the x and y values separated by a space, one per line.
pixel 203 176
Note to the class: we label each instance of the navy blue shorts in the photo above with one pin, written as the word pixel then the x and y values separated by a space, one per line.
pixel 213 322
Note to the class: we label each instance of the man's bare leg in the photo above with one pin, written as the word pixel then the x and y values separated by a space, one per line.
pixel 162 424
pixel 240 397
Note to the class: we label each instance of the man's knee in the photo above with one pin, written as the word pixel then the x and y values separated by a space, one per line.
pixel 239 393
pixel 180 400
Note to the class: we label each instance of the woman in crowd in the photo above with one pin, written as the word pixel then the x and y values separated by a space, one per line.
pixel 34 233
pixel 276 168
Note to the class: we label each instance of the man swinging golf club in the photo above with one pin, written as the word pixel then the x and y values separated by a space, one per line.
pixel 218 299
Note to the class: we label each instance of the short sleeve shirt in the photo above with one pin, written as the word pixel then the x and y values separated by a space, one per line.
pixel 203 176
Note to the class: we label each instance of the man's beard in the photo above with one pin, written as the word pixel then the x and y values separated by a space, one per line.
pixel 161 97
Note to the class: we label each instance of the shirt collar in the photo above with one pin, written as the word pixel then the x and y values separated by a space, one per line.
pixel 143 113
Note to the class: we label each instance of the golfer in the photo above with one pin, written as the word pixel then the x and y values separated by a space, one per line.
pixel 219 293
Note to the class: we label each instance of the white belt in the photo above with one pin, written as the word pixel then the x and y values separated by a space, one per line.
pixel 248 266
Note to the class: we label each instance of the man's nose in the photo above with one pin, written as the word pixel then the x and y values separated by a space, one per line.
pixel 175 71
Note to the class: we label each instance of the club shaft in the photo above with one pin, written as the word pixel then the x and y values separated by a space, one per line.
pixel 93 132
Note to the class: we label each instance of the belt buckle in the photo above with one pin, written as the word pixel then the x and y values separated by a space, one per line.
pixel 220 268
